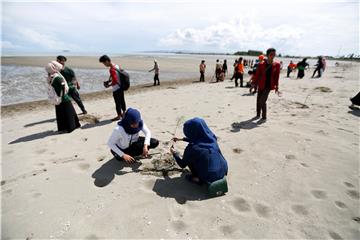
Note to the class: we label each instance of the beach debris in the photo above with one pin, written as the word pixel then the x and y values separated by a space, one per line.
pixel 300 105
pixel 237 150
pixel 88 118
pixel 323 89
pixel 162 165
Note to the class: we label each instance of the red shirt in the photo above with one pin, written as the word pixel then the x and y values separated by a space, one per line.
pixel 260 76
pixel 114 75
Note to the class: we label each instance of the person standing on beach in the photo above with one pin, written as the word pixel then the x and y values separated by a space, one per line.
pixel 319 67
pixel 290 68
pixel 266 79
pixel 239 73
pixel 235 70
pixel 69 75
pixel 125 143
pixel 156 70
pixel 66 118
pixel 225 68
pixel 301 66
pixel 218 69
pixel 115 83
pixel 202 68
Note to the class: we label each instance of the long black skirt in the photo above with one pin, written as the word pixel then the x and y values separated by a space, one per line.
pixel 66 117
pixel 356 100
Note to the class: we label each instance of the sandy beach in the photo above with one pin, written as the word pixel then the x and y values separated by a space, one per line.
pixel 294 177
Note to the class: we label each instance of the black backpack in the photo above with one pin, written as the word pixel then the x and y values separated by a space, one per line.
pixel 124 79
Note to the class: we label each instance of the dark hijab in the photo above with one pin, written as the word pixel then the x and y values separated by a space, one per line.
pixel 131 116
pixel 198 133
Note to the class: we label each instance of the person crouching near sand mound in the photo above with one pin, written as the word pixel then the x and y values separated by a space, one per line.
pixel 66 118
pixel 125 143
pixel 202 155
pixel 266 79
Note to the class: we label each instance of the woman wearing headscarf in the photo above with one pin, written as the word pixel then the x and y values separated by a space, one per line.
pixel 202 155
pixel 125 142
pixel 66 118
pixel 301 68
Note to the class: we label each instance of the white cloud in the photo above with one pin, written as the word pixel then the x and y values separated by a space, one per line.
pixel 47 41
pixel 235 35
pixel 8 45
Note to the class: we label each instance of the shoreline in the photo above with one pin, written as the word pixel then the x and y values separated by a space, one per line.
pixel 15 108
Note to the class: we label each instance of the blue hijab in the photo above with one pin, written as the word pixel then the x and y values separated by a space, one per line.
pixel 198 133
pixel 131 116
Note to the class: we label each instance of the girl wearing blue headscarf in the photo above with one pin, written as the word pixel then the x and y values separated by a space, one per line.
pixel 202 155
pixel 125 142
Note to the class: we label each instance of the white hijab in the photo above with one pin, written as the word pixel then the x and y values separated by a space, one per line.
pixel 53 69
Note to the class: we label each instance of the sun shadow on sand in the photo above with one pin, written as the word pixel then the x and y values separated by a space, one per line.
pixel 248 124
pixel 106 173
pixel 180 189
pixel 248 94
pixel 355 112
pixel 41 122
pixel 99 124
pixel 34 137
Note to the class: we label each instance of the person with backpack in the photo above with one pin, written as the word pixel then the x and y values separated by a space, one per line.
pixel 125 143
pixel 156 70
pixel 66 117
pixel 202 155
pixel 117 86
pixel 69 75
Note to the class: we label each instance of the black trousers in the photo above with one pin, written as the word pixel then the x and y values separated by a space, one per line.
pixel 289 70
pixel 319 72
pixel 74 94
pixel 261 102
pixel 202 77
pixel 136 148
pixel 241 77
pixel 156 78
pixel 119 99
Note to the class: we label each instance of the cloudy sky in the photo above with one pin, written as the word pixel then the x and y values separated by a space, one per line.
pixel 306 27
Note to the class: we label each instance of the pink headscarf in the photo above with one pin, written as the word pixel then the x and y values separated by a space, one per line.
pixel 53 69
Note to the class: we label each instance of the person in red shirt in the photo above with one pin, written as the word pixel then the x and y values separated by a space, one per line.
pixel 115 83
pixel 202 71
pixel 290 68
pixel 267 79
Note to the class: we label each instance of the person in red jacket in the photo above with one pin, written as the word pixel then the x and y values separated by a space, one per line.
pixel 267 79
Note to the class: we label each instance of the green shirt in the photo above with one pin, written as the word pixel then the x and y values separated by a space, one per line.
pixel 58 88
pixel 69 75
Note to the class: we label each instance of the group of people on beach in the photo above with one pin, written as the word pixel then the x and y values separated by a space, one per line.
pixel 202 154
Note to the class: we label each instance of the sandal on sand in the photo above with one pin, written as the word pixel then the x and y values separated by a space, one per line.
pixel 191 179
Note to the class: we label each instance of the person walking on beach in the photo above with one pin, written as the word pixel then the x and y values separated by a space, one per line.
pixel 319 67
pixel 290 68
pixel 235 69
pixel 115 83
pixel 202 155
pixel 301 66
pixel 266 79
pixel 202 68
pixel 218 69
pixel 239 73
pixel 66 118
pixel 71 80
pixel 225 68
pixel 156 70
pixel 125 143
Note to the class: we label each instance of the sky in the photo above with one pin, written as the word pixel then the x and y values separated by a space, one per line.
pixel 306 27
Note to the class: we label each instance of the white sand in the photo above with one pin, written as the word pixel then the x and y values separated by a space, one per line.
pixel 296 176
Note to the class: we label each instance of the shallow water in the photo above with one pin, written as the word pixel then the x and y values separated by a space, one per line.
pixel 24 84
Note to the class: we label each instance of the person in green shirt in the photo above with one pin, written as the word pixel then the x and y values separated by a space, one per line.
pixel 66 118
pixel 73 84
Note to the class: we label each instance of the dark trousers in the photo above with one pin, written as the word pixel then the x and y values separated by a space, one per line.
pixel 156 78
pixel 136 148
pixel 74 94
pixel 202 77
pixel 119 101
pixel 261 102
pixel 241 77
pixel 289 70
pixel 319 72
pixel 217 73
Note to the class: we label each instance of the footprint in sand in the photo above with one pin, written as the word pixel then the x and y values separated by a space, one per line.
pixel 300 210
pixel 319 194
pixel 356 219
pixel 262 210
pixel 40 151
pixel 349 185
pixel 290 157
pixel 36 195
pixel 237 150
pixel 8 192
pixel 92 237
pixel 304 165
pixel 228 229
pixel 353 194
pixel 84 166
pixel 179 225
pixel 334 235
pixel 340 204
pixel 3 182
pixel 242 205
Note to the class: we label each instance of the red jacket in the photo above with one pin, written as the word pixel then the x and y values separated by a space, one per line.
pixel 114 75
pixel 260 76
